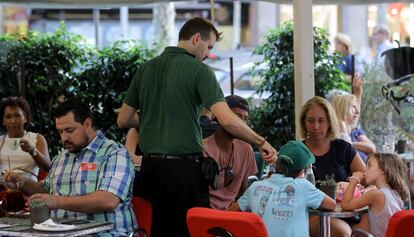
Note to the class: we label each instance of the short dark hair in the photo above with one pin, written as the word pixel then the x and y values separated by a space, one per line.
pixel 16 102
pixel 79 109
pixel 198 25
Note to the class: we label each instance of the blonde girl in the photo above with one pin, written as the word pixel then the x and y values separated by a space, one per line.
pixel 388 173
pixel 346 110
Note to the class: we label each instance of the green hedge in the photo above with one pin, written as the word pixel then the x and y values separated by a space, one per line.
pixel 51 65
pixel 105 79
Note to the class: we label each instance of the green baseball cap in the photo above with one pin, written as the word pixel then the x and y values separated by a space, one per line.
pixel 294 156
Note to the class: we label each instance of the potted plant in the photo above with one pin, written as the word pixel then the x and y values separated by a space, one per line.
pixel 379 117
pixel 328 186
pixel 39 212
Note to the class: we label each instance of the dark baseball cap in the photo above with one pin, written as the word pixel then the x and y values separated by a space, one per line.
pixel 295 156
pixel 237 101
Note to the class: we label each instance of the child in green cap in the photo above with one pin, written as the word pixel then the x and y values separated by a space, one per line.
pixel 283 199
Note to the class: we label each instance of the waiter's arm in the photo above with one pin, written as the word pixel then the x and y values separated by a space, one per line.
pixel 128 117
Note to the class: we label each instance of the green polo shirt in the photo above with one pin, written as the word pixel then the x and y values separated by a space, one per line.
pixel 170 91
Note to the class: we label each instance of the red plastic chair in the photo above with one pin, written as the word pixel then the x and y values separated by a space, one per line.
pixel 143 213
pixel 401 224
pixel 206 222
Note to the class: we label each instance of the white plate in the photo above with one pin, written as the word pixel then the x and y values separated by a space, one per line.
pixel 18 214
pixel 46 227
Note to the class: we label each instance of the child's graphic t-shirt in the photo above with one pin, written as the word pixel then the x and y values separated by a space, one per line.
pixel 283 204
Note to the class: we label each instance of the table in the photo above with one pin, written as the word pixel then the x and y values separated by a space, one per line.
pixel 22 227
pixel 325 221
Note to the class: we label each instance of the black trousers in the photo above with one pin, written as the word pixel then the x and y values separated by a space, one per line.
pixel 173 186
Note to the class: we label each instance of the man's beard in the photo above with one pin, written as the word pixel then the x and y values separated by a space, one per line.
pixel 73 148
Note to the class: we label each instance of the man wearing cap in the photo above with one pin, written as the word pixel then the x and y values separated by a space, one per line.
pixel 235 158
pixel 169 91
pixel 283 199
pixel 207 124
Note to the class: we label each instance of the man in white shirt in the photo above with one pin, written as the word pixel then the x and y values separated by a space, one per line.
pixel 380 36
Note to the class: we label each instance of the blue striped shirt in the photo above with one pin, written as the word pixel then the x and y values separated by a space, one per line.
pixel 103 165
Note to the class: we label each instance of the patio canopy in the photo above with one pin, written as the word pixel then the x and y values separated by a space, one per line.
pixel 114 3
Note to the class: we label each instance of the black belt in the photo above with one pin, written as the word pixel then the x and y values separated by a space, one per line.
pixel 193 156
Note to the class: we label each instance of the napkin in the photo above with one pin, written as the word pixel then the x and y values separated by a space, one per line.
pixel 49 223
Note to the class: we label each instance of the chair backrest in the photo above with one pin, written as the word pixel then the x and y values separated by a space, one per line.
pixel 401 224
pixel 143 213
pixel 206 222
pixel 259 163
pixel 407 203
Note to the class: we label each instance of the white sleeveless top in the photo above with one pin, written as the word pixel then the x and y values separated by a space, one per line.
pixel 378 222
pixel 17 159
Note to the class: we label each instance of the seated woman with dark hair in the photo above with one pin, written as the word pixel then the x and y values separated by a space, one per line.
pixel 21 150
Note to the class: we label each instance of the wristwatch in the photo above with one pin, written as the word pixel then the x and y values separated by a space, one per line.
pixel 34 152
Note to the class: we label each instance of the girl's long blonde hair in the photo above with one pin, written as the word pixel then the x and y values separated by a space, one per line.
pixel 342 105
pixel 395 172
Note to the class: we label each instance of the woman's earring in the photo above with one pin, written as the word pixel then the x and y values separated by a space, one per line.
pixel 307 135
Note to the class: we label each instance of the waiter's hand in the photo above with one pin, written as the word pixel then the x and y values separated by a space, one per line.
pixel 268 153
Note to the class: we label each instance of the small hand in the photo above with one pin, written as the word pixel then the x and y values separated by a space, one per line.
pixel 357 85
pixel 359 175
pixel 50 200
pixel 341 186
pixel 25 145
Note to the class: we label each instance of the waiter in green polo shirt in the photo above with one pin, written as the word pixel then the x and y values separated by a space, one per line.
pixel 170 92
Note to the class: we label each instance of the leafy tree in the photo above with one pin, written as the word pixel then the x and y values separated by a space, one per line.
pixel 379 118
pixel 275 117
pixel 44 63
pixel 8 80
pixel 105 79
pixel 54 64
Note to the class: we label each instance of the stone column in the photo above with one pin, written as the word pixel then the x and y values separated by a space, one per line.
pixel 262 16
pixel 236 24
pixel 304 56
pixel 123 17
pixel 353 23
pixel 163 23
pixel 1 20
